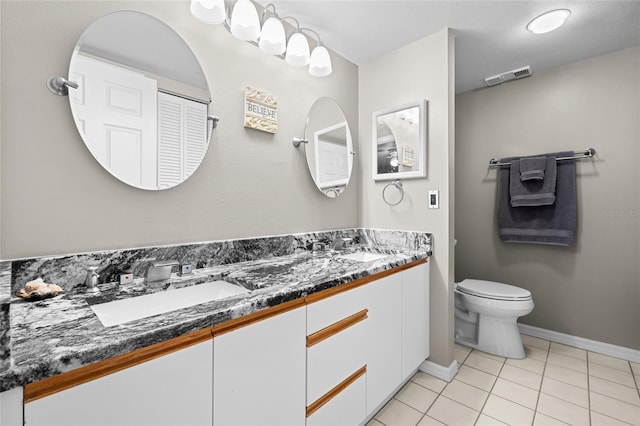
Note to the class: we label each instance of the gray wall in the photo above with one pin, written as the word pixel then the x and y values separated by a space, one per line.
pixel 592 289
pixel 421 70
pixel 56 199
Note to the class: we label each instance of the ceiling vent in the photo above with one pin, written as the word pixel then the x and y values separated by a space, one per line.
pixel 509 75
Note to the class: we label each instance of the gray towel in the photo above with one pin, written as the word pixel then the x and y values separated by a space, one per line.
pixel 532 168
pixel 533 192
pixel 553 224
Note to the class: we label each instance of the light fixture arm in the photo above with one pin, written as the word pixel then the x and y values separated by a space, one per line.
pixel 266 10
pixel 319 42
pixel 295 20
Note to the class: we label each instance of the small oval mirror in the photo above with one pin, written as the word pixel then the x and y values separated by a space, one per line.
pixel 142 102
pixel 329 149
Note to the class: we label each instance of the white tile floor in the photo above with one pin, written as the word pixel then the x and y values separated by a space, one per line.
pixel 555 385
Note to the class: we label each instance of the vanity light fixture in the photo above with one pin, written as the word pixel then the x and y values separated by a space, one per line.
pixel 272 36
pixel 320 61
pixel 208 11
pixel 548 21
pixel 297 54
pixel 244 24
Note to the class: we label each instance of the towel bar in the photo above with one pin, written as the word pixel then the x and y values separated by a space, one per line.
pixel 577 155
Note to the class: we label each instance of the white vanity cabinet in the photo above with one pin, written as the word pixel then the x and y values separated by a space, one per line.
pixel 11 407
pixel 259 372
pixel 384 339
pixel 330 358
pixel 398 337
pixel 336 358
pixel 415 318
pixel 173 389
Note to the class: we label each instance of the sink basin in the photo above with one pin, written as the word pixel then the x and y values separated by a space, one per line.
pixel 362 256
pixel 135 308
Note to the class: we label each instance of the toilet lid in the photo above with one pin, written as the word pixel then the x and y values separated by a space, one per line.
pixel 493 290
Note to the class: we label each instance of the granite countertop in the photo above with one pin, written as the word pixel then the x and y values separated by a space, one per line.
pixel 56 335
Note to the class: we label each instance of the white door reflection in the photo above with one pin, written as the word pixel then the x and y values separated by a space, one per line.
pixel 332 164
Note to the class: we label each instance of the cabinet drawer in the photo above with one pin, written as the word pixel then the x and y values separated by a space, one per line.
pixel 333 359
pixel 345 408
pixel 328 311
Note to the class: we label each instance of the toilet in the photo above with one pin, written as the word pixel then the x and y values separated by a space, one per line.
pixel 486 315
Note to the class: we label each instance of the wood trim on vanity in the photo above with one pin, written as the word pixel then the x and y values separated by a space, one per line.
pixel 315 297
pixel 337 327
pixel 317 404
pixel 63 381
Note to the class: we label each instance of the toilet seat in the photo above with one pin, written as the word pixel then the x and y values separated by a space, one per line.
pixel 493 290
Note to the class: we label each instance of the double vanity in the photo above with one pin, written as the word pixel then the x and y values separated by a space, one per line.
pixel 304 337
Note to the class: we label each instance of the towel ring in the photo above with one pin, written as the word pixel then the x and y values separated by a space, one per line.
pixel 398 185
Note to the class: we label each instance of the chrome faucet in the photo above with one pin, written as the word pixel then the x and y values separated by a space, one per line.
pixel 92 280
pixel 160 270
pixel 340 243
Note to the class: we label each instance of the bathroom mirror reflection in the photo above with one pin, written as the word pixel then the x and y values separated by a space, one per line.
pixel 142 103
pixel 329 149
pixel 399 142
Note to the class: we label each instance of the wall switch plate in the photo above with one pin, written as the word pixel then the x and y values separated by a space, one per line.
pixel 126 278
pixel 434 199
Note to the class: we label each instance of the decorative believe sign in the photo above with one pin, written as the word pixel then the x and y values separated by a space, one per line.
pixel 260 110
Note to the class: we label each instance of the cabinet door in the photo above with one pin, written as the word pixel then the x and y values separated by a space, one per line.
pixel 260 372
pixel 347 408
pixel 383 339
pixel 415 318
pixel 175 389
pixel 11 407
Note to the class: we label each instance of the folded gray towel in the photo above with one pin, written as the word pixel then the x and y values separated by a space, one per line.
pixel 532 168
pixel 546 224
pixel 533 192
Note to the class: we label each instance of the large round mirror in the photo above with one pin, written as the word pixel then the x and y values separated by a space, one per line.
pixel 142 102
pixel 329 147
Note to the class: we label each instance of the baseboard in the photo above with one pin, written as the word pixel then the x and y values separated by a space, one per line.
pixel 437 370
pixel 582 343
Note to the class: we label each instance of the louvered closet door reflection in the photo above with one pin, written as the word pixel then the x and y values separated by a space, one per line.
pixel 182 138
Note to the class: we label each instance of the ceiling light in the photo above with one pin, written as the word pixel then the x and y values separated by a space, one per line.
pixel 245 24
pixel 548 21
pixel 208 11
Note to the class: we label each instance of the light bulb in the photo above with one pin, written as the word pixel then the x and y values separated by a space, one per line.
pixel 272 38
pixel 320 62
pixel 548 21
pixel 297 50
pixel 208 11
pixel 245 24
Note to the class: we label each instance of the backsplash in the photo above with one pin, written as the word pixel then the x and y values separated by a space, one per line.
pixel 70 271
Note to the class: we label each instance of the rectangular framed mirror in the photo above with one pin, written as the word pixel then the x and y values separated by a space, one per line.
pixel 400 142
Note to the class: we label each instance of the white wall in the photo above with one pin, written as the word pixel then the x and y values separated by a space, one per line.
pixel 56 199
pixel 421 70
pixel 591 289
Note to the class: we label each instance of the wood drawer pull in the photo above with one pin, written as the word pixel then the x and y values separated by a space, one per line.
pixel 336 328
pixel 317 404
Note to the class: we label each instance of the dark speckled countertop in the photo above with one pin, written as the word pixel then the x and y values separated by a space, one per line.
pixel 60 334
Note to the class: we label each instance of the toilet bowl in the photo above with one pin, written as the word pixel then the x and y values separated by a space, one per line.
pixel 486 315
